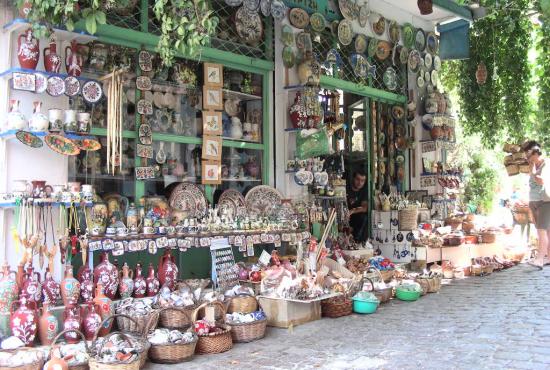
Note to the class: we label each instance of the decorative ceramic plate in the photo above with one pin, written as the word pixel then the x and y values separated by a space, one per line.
pixel 287 35
pixel 231 107
pixel 278 9
pixel 249 26
pixel 41 83
pixel 145 61
pixel 373 48
pixel 408 35
pixel 360 43
pixel 427 77
pixel 234 197
pixel 437 63
pixel 420 82
pixel 190 198
pixel 89 145
pixel 317 22
pixel 361 66
pixel 404 55
pixel 345 32
pixel 363 15
pixel 56 86
pixel 72 86
pixel 301 177
pixel 434 77
pixel 383 50
pixel 428 61
pixel 251 5
pixel 398 112
pixel 92 91
pixel 420 40
pixel 414 61
pixel 233 2
pixel 333 58
pixel 432 43
pixel 61 145
pixel 144 83
pixel 265 7
pixel 298 18
pixel 29 139
pixel 144 130
pixel 390 79
pixel 346 8
pixel 145 107
pixel 289 58
pixel 378 24
pixel 394 32
pixel 261 199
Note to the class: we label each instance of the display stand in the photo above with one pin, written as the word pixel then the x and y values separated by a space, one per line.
pixel 224 275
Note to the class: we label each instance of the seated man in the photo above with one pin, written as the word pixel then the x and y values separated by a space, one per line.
pixel 357 198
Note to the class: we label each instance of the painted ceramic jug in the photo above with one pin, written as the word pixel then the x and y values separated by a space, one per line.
pixel 92 321
pixel 168 270
pixel 153 284
pixel 297 112
pixel 71 321
pixel 70 287
pixel 140 286
pixel 48 326
pixel 32 288
pixel 52 60
pixel 106 273
pixel 28 50
pixel 24 320
pixel 73 59
pixel 51 290
pixel 16 119
pixel 86 280
pixel 8 288
pixel 39 121
pixel 126 287
pixel 98 218
pixel 104 307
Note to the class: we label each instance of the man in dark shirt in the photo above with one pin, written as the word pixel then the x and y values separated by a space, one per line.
pixel 357 197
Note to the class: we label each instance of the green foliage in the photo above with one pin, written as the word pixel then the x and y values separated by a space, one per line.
pixel 480 193
pixel 542 126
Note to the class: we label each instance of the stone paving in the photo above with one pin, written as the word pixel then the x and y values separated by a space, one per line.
pixel 500 321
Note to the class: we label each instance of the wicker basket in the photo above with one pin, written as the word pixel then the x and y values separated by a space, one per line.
pixel 454 223
pixel 173 353
pixel 242 303
pixel 79 366
pixel 96 365
pixel 434 284
pixel 387 275
pixel 423 284
pixel 519 156
pixel 34 366
pixel 408 219
pixel 213 342
pixel 248 332
pixel 511 148
pixel 488 237
pixel 336 307
pixel 138 323
pixel 176 319
pixel 512 169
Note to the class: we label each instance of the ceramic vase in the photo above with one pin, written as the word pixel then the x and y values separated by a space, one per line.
pixel 70 287
pixel 8 288
pixel 153 284
pixel 73 59
pixel 28 50
pixel 104 307
pixel 48 326
pixel 52 60
pixel 56 363
pixel 39 121
pixel 106 273
pixel 83 121
pixel 16 120
pixel 32 288
pixel 140 286
pixel 51 290
pixel 98 218
pixel 126 286
pixel 24 321
pixel 86 280
pixel 297 112
pixel 425 6
pixel 71 321
pixel 168 270
pixel 92 321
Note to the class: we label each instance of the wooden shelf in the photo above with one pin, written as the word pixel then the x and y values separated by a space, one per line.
pixel 10 134
pixel 242 180
pixel 236 95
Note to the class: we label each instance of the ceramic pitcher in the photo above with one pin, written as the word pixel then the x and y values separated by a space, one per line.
pixel 70 287
pixel 73 59
pixel 52 60
pixel 28 50
pixel 16 119
pixel 39 121
pixel 48 326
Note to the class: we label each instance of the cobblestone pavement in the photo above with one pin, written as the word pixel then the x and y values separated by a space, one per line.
pixel 500 321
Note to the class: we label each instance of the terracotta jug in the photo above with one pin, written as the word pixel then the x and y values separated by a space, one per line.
pixel 28 50
pixel 73 59
pixel 70 287
pixel 104 307
pixel 71 321
pixel 24 320
pixel 56 363
pixel 92 321
pixel 140 286
pixel 106 273
pixel 8 288
pixel 31 286
pixel 51 290
pixel 52 61
pixel 126 287
pixel 48 326
pixel 153 284
pixel 168 270
pixel 86 284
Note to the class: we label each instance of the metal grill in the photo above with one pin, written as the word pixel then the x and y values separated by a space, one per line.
pixel 126 18
pixel 326 41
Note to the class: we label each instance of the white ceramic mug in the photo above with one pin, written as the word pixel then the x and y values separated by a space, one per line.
pixel 83 120
pixel 55 116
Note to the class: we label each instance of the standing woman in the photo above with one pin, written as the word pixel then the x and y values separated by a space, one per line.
pixel 539 198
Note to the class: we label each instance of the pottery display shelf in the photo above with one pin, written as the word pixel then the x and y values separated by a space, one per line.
pixel 48 202
pixel 10 134
pixel 8 74
pixel 246 179
pixel 20 25
pixel 236 95
pixel 241 140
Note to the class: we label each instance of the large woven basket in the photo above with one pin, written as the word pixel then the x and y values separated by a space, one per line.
pixel 387 275
pixel 79 366
pixel 512 169
pixel 95 364
pixel 248 332
pixel 434 284
pixel 423 284
pixel 34 366
pixel 336 307
pixel 408 219
pixel 176 319
pixel 488 237
pixel 173 353
pixel 242 304
pixel 213 342
pixel 138 323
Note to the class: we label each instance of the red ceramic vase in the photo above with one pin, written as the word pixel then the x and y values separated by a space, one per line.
pixel 70 287
pixel 126 286
pixel 86 284
pixel 298 115
pixel 52 60
pixel 73 59
pixel 153 284
pixel 71 321
pixel 48 326
pixel 24 320
pixel 32 288
pixel 140 285
pixel 91 322
pixel 28 50
pixel 106 273
pixel 51 290
pixel 168 270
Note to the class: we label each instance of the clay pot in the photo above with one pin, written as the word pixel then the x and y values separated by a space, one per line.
pixel 104 307
pixel 86 284
pixel 70 287
pixel 168 270
pixel 32 288
pixel 73 59
pixel 92 321
pixel 107 274
pixel 52 61
pixel 48 326
pixel 8 288
pixel 126 286
pixel 24 320
pixel 50 289
pixel 28 50
pixel 71 321
pixel 153 284
pixel 436 132
pixel 140 285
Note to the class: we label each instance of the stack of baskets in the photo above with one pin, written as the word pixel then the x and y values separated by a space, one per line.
pixel 515 162
pixel 408 219
pixel 246 332
pixel 217 342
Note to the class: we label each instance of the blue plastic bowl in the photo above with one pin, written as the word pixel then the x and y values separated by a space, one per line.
pixel 360 306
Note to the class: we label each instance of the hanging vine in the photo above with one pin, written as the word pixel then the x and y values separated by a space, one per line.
pixel 543 74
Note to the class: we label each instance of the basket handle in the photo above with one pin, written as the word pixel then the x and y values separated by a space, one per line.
pixel 371 283
pixel 179 309
pixel 148 325
pixel 78 332
pixel 124 336
pixel 371 268
pixel 112 317
pixel 206 304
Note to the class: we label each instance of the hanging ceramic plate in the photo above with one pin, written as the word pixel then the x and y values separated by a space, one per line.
pixel 408 35
pixel 373 48
pixel 383 50
pixel 378 24
pixel 317 22
pixel 437 63
pixel 189 198
pixel 72 86
pixel 251 5
pixel 420 82
pixel 301 177
pixel 249 26
pixel 414 61
pixel 333 58
pixel 231 107
pixel 89 145
pixel 390 79
pixel 432 43
pixel 92 92
pixel 363 15
pixel 56 86
pixel 420 40
pixel 289 58
pixel 261 199
pixel 29 139
pixel 298 18
pixel 360 43
pixel 404 55
pixel 265 7
pixel 427 77
pixel 278 9
pixel 398 112
pixel 287 35
pixel 233 2
pixel 435 77
pixel 428 61
pixel 346 8
pixel 61 145
pixel 394 32
pixel 361 65
pixel 41 83
pixel 345 32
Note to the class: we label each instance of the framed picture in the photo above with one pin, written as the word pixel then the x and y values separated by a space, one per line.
pixel 212 98
pixel 212 123
pixel 211 172
pixel 428 201
pixel 426 166
pixel 212 147
pixel 213 74
pixel 416 195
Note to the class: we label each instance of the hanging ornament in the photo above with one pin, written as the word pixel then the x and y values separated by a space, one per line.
pixel 481 73
pixel 425 6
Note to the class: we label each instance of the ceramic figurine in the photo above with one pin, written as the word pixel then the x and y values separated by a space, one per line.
pixel 153 284
pixel 28 50
pixel 48 326
pixel 16 119
pixel 71 321
pixel 106 273
pixel 39 121
pixel 70 287
pixel 73 59
pixel 140 285
pixel 24 321
pixel 126 286
pixel 52 61
pixel 236 128
pixel 168 270
pixel 298 115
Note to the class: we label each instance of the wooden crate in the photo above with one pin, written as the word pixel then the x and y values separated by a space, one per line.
pixel 282 313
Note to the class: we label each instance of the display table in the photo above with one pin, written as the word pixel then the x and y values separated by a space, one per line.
pixel 462 255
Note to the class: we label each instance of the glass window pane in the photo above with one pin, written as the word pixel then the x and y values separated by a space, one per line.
pixel 241 170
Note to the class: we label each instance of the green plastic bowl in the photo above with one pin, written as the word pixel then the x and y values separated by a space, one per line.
pixel 364 306
pixel 406 295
